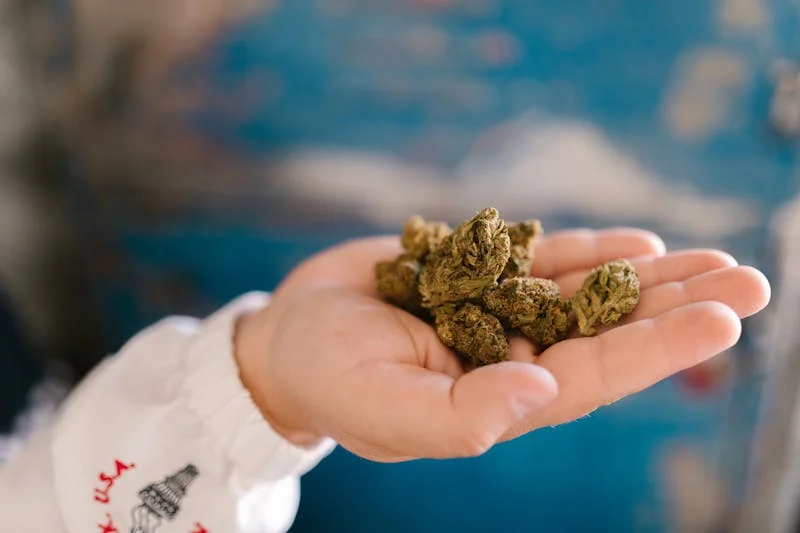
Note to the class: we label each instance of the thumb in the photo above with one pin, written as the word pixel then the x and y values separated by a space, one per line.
pixel 414 412
pixel 490 400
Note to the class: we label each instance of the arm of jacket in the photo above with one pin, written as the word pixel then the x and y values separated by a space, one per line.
pixel 160 438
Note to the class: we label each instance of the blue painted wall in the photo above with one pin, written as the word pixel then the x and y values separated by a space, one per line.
pixel 284 118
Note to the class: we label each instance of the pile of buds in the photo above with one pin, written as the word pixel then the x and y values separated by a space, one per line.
pixel 473 284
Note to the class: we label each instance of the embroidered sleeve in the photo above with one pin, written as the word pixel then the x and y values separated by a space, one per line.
pixel 163 438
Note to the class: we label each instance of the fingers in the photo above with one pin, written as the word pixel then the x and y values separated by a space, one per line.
pixel 674 266
pixel 414 412
pixel 596 371
pixel 744 289
pixel 565 251
pixel 352 264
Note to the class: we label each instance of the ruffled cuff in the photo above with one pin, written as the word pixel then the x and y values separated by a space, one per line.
pixel 227 411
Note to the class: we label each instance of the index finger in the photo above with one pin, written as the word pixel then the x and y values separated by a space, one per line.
pixel 579 249
pixel 352 263
pixel 596 371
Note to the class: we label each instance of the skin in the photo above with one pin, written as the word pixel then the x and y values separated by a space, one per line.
pixel 328 358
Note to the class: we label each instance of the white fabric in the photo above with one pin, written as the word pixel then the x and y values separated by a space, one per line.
pixel 171 401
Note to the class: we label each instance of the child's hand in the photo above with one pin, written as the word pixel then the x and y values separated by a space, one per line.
pixel 328 358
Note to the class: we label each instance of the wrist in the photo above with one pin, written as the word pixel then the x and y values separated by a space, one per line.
pixel 252 335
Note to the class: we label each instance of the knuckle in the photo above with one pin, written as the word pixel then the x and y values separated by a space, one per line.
pixel 474 444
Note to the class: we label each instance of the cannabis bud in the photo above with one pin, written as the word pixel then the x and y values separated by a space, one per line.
pixel 533 306
pixel 397 282
pixel 610 292
pixel 473 332
pixel 473 284
pixel 420 238
pixel 466 262
pixel 523 237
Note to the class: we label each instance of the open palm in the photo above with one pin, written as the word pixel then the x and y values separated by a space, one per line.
pixel 344 364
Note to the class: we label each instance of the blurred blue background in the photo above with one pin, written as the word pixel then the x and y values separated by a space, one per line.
pixel 210 152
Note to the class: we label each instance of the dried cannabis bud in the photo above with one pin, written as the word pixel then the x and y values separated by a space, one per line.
pixel 420 237
pixel 533 306
pixel 474 334
pixel 474 284
pixel 608 293
pixel 467 262
pixel 523 237
pixel 398 282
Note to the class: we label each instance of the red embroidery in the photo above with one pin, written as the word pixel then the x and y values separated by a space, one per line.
pixel 109 526
pixel 122 467
pixel 101 495
pixel 199 528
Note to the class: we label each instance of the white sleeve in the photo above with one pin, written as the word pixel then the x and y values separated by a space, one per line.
pixel 162 437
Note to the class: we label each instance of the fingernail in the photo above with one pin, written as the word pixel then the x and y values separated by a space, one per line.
pixel 544 390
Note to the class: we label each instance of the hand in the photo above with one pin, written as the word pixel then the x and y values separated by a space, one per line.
pixel 328 358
